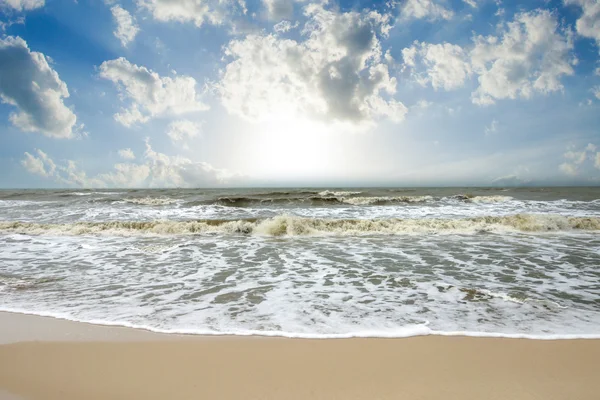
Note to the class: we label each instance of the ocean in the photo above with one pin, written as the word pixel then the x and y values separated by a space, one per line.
pixel 312 263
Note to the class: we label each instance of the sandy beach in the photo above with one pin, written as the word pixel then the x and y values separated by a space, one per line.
pixel 44 358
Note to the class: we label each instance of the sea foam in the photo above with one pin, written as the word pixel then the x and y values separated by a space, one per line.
pixel 286 225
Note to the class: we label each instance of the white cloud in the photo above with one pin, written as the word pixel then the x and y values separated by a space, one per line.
pixel 30 84
pixel 596 91
pixel 199 12
pixel 284 26
pixel 597 161
pixel 569 169
pixel 4 25
pixel 126 25
pixel 150 94
pixel 21 5
pixel 492 128
pixel 472 3
pixel 156 170
pixel 126 154
pixel 279 9
pixel 588 25
pixel 421 9
pixel 335 73
pixel 578 158
pixel 40 165
pixel 68 173
pixel 445 65
pixel 590 147
pixel 531 55
pixel 183 130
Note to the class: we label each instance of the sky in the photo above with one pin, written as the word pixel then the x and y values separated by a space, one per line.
pixel 227 93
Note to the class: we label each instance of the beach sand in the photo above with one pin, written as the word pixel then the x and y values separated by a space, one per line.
pixel 44 358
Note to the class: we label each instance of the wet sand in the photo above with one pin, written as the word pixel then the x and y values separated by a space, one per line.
pixel 44 358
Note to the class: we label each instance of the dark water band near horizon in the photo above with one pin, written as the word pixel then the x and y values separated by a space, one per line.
pixel 384 262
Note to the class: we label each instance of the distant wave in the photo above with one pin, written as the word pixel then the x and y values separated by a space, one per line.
pixel 285 225
pixel 323 198
pixel 383 200
pixel 151 201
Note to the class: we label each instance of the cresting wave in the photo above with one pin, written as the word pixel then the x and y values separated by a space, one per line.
pixel 286 225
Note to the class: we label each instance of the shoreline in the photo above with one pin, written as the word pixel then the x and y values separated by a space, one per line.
pixel 49 359
pixel 402 333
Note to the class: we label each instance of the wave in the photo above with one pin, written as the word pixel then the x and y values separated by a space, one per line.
pixel 15 282
pixel 361 201
pixel 484 199
pixel 323 198
pixel 400 332
pixel 327 193
pixel 150 201
pixel 286 225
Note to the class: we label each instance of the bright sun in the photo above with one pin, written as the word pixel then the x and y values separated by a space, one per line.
pixel 295 148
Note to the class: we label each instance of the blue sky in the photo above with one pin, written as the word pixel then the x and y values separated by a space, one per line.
pixel 197 93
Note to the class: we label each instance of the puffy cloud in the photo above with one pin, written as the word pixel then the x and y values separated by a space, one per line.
pixel 596 91
pixel 40 165
pixel 126 154
pixel 160 170
pixel 335 73
pixel 531 55
pixel 588 25
pixel 126 25
pixel 68 173
pixel 150 94
pixel 421 9
pixel 156 170
pixel 30 84
pixel 21 5
pixel 445 65
pixel 183 130
pixel 279 9
pixel 198 12
pixel 577 159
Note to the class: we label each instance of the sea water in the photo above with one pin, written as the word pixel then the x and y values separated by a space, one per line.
pixel 521 262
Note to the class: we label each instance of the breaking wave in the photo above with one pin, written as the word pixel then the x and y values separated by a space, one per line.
pixel 286 225
pixel 483 199
pixel 337 193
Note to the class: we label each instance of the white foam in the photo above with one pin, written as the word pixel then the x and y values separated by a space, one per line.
pixel 328 193
pixel 401 332
pixel 490 199
pixel 288 225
